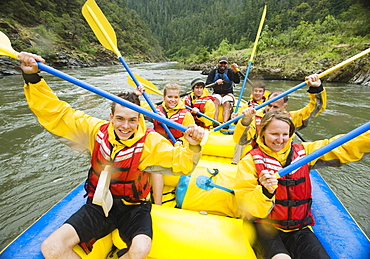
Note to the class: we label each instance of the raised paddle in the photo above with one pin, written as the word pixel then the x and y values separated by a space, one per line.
pixel 152 89
pixel 102 196
pixel 7 50
pixel 251 59
pixel 326 72
pixel 107 37
pixel 323 150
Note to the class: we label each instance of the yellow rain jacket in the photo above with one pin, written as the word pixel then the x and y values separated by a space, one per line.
pixel 59 118
pixel 248 193
pixel 188 119
pixel 300 118
pixel 209 109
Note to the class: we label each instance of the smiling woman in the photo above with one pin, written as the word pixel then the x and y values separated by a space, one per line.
pixel 174 109
pixel 284 205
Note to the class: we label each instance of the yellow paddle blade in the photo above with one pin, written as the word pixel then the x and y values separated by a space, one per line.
pixel 100 26
pixel 150 88
pixel 6 47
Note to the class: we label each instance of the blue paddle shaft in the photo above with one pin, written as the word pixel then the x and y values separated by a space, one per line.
pixel 325 149
pixel 110 96
pixel 203 115
pixel 263 104
pixel 147 98
pixel 243 86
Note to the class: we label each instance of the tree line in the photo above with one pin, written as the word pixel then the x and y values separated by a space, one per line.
pixel 191 30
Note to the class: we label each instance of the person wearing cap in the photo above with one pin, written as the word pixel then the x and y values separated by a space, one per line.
pixel 224 79
pixel 200 101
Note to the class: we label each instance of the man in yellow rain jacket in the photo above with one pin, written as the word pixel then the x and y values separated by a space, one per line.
pixel 246 130
pixel 126 145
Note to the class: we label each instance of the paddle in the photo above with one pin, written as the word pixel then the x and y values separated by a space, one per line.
pixel 107 37
pixel 7 50
pixel 206 183
pixel 326 72
pixel 323 150
pixel 251 59
pixel 154 90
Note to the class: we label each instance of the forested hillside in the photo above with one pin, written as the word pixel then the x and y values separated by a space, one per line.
pixel 188 27
pixel 47 26
pixel 298 36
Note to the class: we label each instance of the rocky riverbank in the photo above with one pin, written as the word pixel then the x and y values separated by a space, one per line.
pixel 274 67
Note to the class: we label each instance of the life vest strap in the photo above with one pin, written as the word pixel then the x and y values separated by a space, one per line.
pixel 292 203
pixel 291 182
pixel 291 223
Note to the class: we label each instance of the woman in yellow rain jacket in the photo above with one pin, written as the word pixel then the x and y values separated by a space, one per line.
pixel 282 215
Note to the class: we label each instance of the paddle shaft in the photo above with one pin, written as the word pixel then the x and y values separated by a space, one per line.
pixel 107 37
pixel 203 115
pixel 326 72
pixel 325 149
pixel 243 86
pixel 251 59
pixel 111 96
pixel 169 133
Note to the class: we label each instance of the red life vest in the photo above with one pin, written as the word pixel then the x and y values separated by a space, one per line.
pixel 254 104
pixel 127 182
pixel 177 117
pixel 199 103
pixel 293 198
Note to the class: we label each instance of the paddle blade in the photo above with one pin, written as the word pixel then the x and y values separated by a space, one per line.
pixel 150 88
pixel 6 47
pixel 103 196
pixel 100 26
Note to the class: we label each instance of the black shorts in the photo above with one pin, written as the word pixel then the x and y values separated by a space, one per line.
pixel 91 224
pixel 300 244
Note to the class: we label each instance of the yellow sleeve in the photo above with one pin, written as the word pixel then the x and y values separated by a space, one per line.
pixel 209 110
pixel 244 134
pixel 188 119
pixel 317 105
pixel 160 156
pixel 59 118
pixel 248 192
pixel 350 151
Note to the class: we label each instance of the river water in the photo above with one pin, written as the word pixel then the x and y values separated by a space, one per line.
pixel 37 170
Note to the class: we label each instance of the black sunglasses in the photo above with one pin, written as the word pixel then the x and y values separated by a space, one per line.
pixel 223 63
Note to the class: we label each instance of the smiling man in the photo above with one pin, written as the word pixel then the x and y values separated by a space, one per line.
pixel 223 90
pixel 130 149
pixel 246 130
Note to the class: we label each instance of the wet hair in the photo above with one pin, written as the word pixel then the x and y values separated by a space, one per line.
pixel 128 96
pixel 276 93
pixel 277 115
pixel 171 86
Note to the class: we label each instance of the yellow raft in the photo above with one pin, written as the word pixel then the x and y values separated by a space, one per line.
pixel 181 233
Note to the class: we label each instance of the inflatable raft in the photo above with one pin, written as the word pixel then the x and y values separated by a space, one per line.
pixel 199 230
